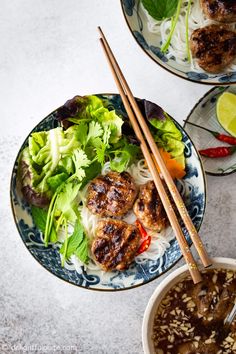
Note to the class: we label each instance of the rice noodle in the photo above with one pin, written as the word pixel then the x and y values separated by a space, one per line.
pixel 178 47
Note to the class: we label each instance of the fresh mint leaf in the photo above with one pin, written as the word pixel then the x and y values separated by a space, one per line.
pixel 77 244
pixel 39 217
pixel 74 240
pixel 160 9
pixel 82 251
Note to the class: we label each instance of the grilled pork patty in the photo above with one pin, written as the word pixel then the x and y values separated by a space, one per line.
pixel 214 46
pixel 112 194
pixel 115 244
pixel 149 209
pixel 219 10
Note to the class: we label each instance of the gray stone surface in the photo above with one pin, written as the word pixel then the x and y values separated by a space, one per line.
pixel 49 53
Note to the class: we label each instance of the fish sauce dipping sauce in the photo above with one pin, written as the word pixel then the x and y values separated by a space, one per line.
pixel 183 318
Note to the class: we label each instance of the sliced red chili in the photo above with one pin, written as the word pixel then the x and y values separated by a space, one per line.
pixel 141 229
pixel 144 245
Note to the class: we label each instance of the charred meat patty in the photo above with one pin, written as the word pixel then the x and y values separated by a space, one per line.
pixel 219 10
pixel 112 194
pixel 149 209
pixel 214 46
pixel 115 245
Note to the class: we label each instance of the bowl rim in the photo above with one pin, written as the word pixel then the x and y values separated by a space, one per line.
pixel 65 280
pixel 160 289
pixel 167 68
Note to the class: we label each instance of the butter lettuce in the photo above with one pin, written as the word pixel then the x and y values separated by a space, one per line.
pixel 168 136
pixel 164 130
pixel 49 159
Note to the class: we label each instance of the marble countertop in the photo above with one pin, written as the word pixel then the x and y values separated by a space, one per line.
pixel 50 52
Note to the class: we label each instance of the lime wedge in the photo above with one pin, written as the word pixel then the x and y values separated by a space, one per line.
pixel 226 112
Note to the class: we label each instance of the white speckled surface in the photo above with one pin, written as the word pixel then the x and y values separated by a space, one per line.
pixel 48 53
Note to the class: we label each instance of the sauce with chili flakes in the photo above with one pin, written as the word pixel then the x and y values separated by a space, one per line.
pixel 190 317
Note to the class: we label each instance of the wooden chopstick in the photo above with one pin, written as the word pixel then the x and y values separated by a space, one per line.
pixel 193 269
pixel 164 171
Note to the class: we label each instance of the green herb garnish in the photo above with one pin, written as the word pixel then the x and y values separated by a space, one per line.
pixel 76 244
pixel 160 9
pixel 40 219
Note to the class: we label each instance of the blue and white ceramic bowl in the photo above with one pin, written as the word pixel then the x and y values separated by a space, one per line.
pixel 192 188
pixel 151 42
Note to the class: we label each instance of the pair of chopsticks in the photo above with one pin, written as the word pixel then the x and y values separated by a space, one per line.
pixel 144 135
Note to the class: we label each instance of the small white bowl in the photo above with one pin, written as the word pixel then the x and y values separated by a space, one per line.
pixel 160 292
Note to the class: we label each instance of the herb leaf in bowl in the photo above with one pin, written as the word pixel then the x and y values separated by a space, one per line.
pixel 77 244
pixel 160 9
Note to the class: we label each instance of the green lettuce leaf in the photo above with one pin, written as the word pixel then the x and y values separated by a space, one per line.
pixel 164 130
pixel 168 136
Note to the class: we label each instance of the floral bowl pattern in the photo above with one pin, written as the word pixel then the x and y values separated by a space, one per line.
pixel 191 187
pixel 151 43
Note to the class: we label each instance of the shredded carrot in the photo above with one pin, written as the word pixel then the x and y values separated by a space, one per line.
pixel 174 167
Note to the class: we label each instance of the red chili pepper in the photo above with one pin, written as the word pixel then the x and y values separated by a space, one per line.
pixel 222 137
pixel 144 245
pixel 141 229
pixel 221 151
